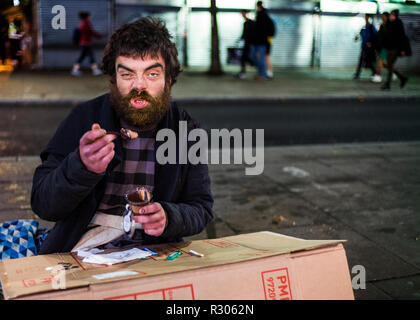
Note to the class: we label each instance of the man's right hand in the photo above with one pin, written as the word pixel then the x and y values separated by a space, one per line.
pixel 96 149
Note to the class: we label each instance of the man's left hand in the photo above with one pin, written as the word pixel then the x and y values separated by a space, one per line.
pixel 153 219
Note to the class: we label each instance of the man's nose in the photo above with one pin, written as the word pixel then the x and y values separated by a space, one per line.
pixel 139 83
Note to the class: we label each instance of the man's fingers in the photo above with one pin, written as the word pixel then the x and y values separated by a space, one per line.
pixel 153 218
pixel 101 153
pixel 148 226
pixel 94 147
pixel 107 159
pixel 96 126
pixel 150 208
pixel 91 136
pixel 154 232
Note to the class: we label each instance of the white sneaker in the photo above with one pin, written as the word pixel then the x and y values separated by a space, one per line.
pixel 241 75
pixel 76 73
pixel 269 74
pixel 376 78
pixel 96 72
pixel 394 77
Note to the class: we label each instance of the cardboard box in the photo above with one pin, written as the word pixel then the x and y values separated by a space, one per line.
pixel 262 265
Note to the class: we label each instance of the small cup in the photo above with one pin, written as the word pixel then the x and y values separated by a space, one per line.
pixel 135 199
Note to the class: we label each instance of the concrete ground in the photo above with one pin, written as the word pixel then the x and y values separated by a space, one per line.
pixel 367 193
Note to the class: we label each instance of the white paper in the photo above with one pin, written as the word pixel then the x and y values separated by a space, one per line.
pixel 85 253
pixel 116 257
pixel 109 275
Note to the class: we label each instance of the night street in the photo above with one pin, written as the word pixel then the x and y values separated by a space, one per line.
pixel 309 188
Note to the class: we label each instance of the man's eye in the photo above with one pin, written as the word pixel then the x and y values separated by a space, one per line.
pixel 153 74
pixel 125 75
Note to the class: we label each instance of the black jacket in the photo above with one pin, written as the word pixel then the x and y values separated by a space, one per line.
pixel 379 41
pixel 262 23
pixel 64 191
pixel 394 35
pixel 248 33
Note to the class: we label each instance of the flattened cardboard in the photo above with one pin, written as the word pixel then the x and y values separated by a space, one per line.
pixel 226 260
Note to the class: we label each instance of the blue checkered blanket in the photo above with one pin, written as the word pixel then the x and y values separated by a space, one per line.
pixel 20 238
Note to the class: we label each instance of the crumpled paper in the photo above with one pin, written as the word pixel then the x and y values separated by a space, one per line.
pixel 94 256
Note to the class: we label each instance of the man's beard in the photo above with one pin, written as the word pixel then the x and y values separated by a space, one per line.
pixel 145 118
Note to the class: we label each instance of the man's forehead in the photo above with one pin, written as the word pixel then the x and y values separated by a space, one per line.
pixel 140 62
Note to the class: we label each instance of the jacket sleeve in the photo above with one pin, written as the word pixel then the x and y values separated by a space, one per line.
pixel 194 211
pixel 59 185
pixel 92 31
pixel 62 181
pixel 401 35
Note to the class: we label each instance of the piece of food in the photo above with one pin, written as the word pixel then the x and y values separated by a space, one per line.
pixel 144 194
pixel 124 133
pixel 129 134
pixel 141 195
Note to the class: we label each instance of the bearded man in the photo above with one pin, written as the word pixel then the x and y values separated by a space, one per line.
pixel 86 169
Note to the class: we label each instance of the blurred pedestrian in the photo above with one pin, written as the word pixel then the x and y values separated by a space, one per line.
pixel 15 35
pixel 27 45
pixel 380 50
pixel 367 54
pixel 86 33
pixel 271 31
pixel 258 47
pixel 394 42
pixel 4 27
pixel 268 57
pixel 248 33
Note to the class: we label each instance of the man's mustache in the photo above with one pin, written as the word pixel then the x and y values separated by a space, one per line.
pixel 144 95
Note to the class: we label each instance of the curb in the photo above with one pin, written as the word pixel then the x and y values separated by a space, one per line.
pixel 283 100
pixel 228 100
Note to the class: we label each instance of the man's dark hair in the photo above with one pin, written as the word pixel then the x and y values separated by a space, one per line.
pixel 83 15
pixel 259 4
pixel 146 36
pixel 386 14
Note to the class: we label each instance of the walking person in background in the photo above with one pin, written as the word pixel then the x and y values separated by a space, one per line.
pixel 394 42
pixel 268 58
pixel 258 46
pixel 247 36
pixel 15 36
pixel 27 45
pixel 86 33
pixel 380 50
pixel 271 32
pixel 367 54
